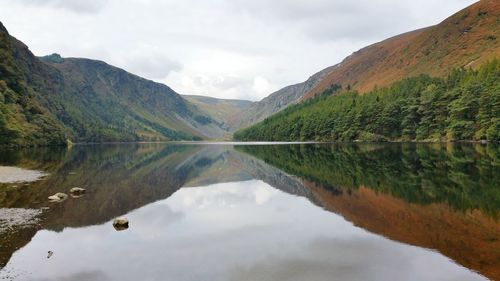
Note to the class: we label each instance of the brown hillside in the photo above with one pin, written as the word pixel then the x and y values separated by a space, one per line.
pixel 465 39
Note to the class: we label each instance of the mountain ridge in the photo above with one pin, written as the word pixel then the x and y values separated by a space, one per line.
pixel 467 38
pixel 49 100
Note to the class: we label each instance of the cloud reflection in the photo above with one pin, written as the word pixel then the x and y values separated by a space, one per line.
pixel 232 231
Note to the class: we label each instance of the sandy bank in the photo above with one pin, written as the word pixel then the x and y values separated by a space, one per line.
pixel 14 174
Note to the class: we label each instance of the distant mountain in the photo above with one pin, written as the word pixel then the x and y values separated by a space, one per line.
pixel 145 109
pixel 226 113
pixel 50 99
pixel 45 101
pixel 278 100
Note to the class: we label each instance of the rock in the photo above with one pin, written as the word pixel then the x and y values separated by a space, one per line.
pixel 120 223
pixel 58 197
pixel 77 190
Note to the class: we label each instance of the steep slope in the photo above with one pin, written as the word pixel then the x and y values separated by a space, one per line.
pixel 421 108
pixel 224 112
pixel 466 39
pixel 123 106
pixel 44 101
pixel 278 100
pixel 23 120
pixel 464 106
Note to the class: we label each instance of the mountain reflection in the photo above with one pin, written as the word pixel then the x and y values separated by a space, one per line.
pixel 441 197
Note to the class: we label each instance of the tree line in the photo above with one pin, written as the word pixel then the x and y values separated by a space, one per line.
pixel 465 105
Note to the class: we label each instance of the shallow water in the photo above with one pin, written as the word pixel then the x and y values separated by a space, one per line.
pixel 257 212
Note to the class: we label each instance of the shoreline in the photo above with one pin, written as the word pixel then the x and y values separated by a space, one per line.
pixel 234 142
pixel 12 174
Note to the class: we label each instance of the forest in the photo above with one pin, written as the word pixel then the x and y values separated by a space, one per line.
pixel 464 106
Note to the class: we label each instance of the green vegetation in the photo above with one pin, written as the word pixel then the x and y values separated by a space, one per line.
pixel 464 176
pixel 23 120
pixel 51 100
pixel 463 106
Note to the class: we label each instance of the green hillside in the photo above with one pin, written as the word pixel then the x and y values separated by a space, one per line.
pixel 23 88
pixel 104 103
pixel 463 106
pixel 49 100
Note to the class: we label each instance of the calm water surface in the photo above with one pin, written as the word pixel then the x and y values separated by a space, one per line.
pixel 257 212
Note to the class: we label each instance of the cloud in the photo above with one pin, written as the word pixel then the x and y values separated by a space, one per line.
pixel 154 66
pixel 228 86
pixel 345 19
pixel 261 85
pixel 79 6
pixel 222 48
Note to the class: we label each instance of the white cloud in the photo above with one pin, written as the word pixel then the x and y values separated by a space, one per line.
pixel 223 48
pixel 79 6
pixel 261 86
pixel 147 61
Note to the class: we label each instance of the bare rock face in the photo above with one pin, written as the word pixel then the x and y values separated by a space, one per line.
pixel 120 223
pixel 58 197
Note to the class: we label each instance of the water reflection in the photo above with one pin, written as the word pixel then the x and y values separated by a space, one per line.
pixel 231 231
pixel 239 218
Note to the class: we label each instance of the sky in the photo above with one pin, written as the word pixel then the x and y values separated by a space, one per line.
pixel 234 49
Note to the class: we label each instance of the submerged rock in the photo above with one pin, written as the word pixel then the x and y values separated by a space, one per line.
pixel 77 191
pixel 120 223
pixel 58 197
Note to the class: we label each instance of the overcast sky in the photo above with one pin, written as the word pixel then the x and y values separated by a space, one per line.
pixel 222 48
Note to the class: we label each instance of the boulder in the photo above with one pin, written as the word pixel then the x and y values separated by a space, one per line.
pixel 120 223
pixel 58 197
pixel 77 190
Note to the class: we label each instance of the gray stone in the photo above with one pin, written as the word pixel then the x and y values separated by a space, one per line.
pixel 58 197
pixel 77 190
pixel 120 223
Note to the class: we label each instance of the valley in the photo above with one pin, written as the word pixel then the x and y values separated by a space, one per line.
pixel 53 100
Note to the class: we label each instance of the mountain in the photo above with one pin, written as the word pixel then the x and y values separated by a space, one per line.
pixel 466 39
pixel 23 89
pixel 463 107
pixel 47 100
pixel 111 92
pixel 278 100
pixel 226 113
pixel 235 114
pixel 435 84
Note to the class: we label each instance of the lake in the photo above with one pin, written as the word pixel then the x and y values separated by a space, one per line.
pixel 254 212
